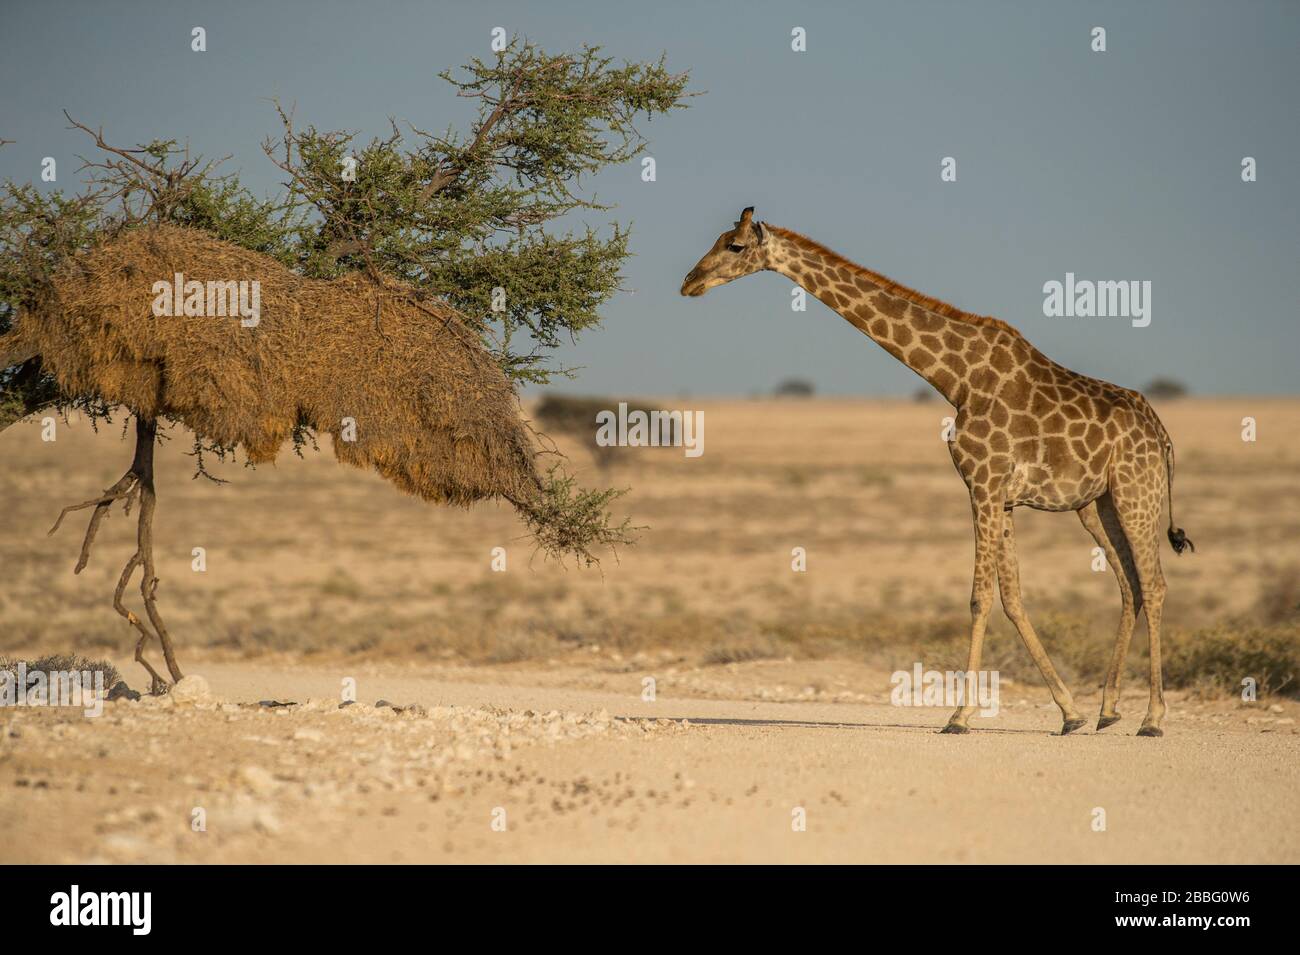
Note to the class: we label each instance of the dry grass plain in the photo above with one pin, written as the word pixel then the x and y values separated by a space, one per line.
pixel 317 571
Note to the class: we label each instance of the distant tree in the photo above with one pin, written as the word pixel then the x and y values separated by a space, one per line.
pixel 1165 389
pixel 794 388
pixel 575 417
pixel 923 395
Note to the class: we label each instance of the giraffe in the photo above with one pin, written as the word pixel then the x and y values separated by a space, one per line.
pixel 1029 433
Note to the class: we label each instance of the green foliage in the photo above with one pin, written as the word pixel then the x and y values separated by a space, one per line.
pixel 227 210
pixel 36 232
pixel 568 521
pixel 460 217
pixel 156 182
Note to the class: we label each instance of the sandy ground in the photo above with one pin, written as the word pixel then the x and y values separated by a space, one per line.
pixel 530 680
pixel 570 764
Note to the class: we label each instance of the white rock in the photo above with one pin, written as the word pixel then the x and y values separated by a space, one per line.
pixel 192 690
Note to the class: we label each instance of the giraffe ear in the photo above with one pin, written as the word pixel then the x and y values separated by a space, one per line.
pixel 762 232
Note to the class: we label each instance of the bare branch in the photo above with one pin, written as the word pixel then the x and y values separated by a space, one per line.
pixel 98 136
pixel 507 104
pixel 135 485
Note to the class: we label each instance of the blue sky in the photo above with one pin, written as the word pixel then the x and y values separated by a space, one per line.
pixel 1116 165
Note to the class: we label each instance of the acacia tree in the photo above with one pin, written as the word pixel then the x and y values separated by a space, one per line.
pixel 466 218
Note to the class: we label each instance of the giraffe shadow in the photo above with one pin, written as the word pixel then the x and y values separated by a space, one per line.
pixel 828 724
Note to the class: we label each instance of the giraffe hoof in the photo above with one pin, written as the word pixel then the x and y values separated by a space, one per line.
pixel 1107 720
pixel 955 728
pixel 1069 726
pixel 1151 731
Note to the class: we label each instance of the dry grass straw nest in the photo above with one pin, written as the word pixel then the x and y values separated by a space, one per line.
pixel 431 410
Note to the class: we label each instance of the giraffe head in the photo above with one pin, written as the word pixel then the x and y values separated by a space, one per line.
pixel 738 251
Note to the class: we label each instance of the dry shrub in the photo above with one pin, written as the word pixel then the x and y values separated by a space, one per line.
pixel 744 652
pixel 1221 657
pixel 64 663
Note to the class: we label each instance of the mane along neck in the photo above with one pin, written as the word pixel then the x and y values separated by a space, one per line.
pixel 941 343
pixel 887 285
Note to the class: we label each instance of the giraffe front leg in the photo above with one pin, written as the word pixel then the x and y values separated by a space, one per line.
pixel 988 525
pixel 1013 604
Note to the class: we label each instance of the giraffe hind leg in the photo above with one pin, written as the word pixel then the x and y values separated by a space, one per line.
pixel 1138 507
pixel 1102 522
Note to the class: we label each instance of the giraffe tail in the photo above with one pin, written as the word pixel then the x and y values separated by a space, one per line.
pixel 1179 540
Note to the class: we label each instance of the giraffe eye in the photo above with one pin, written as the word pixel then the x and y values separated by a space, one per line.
pixel 735 248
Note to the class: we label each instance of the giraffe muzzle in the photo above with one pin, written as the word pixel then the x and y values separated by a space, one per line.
pixel 693 285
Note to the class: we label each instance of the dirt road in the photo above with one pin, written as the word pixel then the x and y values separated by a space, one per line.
pixel 496 764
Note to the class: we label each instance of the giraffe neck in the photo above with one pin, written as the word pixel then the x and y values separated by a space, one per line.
pixel 910 326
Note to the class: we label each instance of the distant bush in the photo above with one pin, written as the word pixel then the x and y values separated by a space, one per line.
pixel 1165 388
pixel 923 395
pixel 575 416
pixel 572 415
pixel 794 388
